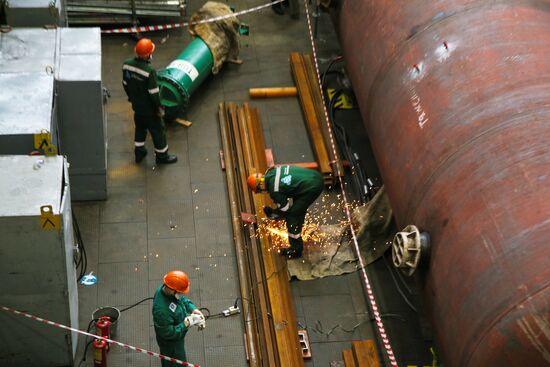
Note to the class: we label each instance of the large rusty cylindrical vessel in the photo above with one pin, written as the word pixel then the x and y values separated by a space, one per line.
pixel 455 96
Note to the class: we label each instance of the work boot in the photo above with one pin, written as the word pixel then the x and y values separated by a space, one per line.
pixel 140 153
pixel 278 9
pixel 165 158
pixel 291 253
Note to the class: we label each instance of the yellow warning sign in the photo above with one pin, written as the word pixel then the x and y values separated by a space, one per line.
pixel 343 102
pixel 51 150
pixel 43 141
pixel 49 220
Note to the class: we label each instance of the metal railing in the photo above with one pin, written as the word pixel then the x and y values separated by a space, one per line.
pixel 121 11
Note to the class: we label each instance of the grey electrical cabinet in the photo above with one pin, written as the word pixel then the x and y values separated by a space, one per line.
pixel 51 82
pixel 36 262
pixel 28 50
pixel 26 108
pixel 80 110
pixel 35 13
pixel 27 104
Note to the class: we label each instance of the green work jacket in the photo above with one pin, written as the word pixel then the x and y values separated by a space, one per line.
pixel 286 184
pixel 168 316
pixel 140 83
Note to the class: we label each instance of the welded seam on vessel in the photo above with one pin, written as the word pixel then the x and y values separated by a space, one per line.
pixel 469 356
pixel 445 163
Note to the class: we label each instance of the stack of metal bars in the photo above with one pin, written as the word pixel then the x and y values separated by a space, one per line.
pixel 121 11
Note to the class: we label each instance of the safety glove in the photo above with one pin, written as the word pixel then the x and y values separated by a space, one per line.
pixel 202 324
pixel 193 319
pixel 272 213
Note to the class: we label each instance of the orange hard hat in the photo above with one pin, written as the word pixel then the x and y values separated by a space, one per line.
pixel 177 280
pixel 253 181
pixel 144 48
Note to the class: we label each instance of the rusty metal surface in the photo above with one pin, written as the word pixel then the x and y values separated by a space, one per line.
pixel 455 96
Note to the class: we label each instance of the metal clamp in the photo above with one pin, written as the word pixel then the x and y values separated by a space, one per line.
pixel 408 247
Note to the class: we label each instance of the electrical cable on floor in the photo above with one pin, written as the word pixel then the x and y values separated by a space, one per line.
pixel 382 334
pixel 400 276
pixel 363 187
pixel 88 343
pixel 405 298
pixel 135 304
pixel 209 315
pixel 327 70
pixel 82 263
pixel 319 327
pixel 360 180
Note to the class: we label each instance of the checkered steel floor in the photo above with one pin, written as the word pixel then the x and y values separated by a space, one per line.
pixel 176 217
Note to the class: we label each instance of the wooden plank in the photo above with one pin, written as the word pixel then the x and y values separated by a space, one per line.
pixel 251 330
pixel 272 92
pixel 309 111
pixel 270 288
pixel 280 293
pixel 365 353
pixel 334 155
pixel 347 355
pixel 261 293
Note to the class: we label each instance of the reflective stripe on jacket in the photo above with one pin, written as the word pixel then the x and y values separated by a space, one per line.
pixel 287 183
pixel 168 316
pixel 140 83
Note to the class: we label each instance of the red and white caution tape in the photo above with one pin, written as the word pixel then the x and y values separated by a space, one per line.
pixel 370 293
pixel 144 351
pixel 151 28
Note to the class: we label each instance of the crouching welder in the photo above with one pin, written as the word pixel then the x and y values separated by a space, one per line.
pixel 140 83
pixel 293 189
pixel 173 315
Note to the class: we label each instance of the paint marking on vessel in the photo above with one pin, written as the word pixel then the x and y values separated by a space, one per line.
pixel 417 107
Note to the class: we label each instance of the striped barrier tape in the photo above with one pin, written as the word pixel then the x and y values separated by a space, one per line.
pixel 144 351
pixel 377 316
pixel 151 28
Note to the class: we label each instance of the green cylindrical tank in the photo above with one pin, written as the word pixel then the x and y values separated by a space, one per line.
pixel 183 76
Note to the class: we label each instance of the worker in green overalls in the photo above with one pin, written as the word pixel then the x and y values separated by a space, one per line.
pixel 173 315
pixel 293 189
pixel 140 83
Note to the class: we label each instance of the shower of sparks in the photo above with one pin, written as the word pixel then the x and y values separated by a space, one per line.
pixel 327 210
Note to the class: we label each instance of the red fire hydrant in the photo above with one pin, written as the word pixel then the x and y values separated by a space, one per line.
pixel 103 328
pixel 100 353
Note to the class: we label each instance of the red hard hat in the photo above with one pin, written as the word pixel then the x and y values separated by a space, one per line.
pixel 144 48
pixel 253 181
pixel 177 280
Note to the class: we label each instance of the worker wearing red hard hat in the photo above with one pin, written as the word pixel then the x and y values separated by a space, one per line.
pixel 140 83
pixel 293 189
pixel 173 315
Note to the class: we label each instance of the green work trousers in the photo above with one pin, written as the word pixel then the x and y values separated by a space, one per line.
pixel 296 216
pixel 155 126
pixel 174 349
pixel 294 6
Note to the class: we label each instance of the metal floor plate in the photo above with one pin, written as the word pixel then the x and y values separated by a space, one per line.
pixel 159 218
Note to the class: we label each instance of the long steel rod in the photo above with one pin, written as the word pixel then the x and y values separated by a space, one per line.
pixel 240 254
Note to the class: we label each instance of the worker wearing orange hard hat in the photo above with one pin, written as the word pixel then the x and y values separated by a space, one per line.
pixel 293 189
pixel 173 315
pixel 140 83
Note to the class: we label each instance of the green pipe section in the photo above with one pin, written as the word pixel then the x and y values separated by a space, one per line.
pixel 183 76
